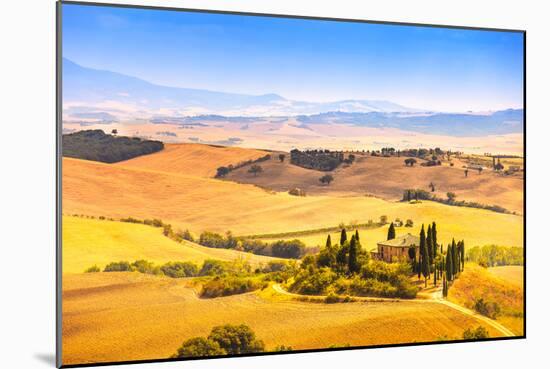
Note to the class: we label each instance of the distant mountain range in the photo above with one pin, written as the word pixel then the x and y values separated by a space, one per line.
pixel 454 124
pixel 92 96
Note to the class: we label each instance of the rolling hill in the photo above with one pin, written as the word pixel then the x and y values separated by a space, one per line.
pixel 200 204
pixel 193 159
pixel 88 242
pixel 387 178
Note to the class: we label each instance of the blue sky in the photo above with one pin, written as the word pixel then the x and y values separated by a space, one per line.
pixel 421 67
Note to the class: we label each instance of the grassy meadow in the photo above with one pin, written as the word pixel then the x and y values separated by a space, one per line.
pixel 200 204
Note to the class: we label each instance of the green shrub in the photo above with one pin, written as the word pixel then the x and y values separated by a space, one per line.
pixel 143 266
pixel 313 281
pixel 474 334
pixel 179 269
pixel 293 249
pixel 332 298
pixel 92 269
pixel 186 235
pixel 131 220
pixel 276 266
pixel 236 339
pixel 215 240
pixel 212 268
pixel 489 309
pixel 226 286
pixel 199 347
pixel 121 266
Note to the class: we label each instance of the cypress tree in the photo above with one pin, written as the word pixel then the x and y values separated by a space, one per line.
pixel 328 245
pixel 429 244
pixel 445 287
pixel 419 264
pixel 343 237
pixel 353 265
pixel 356 235
pixel 425 265
pixel 462 252
pixel 434 238
pixel 391 232
pixel 412 257
pixel 449 264
pixel 423 245
pixel 455 258
pixel 435 275
pixel 342 256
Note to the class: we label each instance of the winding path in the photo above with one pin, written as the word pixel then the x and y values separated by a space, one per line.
pixel 434 297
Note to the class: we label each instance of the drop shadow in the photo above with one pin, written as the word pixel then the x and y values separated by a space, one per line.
pixel 46 358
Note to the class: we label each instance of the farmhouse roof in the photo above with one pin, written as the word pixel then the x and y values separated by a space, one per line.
pixel 402 241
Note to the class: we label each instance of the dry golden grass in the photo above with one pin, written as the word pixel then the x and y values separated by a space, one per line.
pixel 88 242
pixel 510 273
pixel 476 282
pixel 192 159
pixel 388 177
pixel 208 204
pixel 131 316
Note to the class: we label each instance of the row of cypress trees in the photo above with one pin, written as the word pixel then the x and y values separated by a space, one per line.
pixel 432 259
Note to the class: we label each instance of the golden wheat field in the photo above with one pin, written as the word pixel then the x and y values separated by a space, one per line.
pixel 132 316
pixel 192 159
pixel 88 242
pixel 200 204
pixel 476 282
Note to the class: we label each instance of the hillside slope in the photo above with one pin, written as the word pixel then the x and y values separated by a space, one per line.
pixel 388 178
pixel 476 282
pixel 209 204
pixel 88 242
pixel 193 159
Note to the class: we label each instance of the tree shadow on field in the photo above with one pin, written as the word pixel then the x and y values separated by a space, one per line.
pixel 46 358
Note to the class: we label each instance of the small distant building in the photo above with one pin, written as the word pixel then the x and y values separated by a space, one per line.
pixel 515 168
pixel 397 249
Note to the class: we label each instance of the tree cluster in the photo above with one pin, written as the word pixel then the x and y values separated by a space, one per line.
pixel 344 268
pixel 323 160
pixel 288 249
pixel 96 145
pixel 222 340
pixel 434 262
pixel 493 255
